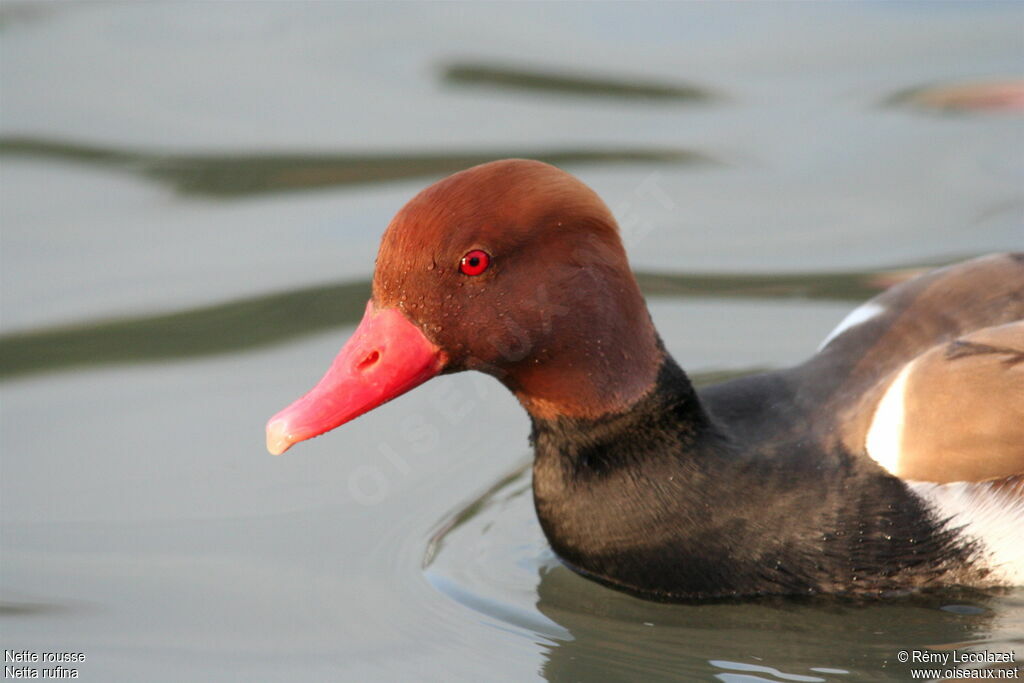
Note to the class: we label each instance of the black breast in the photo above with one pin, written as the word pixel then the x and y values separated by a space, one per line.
pixel 664 502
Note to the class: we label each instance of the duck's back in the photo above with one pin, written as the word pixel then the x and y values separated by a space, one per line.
pixel 927 378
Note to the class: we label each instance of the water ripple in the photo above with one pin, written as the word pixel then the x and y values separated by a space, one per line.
pixel 569 84
pixel 279 317
pixel 490 556
pixel 233 175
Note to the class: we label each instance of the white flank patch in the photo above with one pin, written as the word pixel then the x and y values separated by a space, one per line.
pixel 992 518
pixel 861 314
pixel 885 435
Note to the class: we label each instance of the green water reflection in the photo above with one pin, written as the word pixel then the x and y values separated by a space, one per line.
pixel 561 83
pixel 279 317
pixel 229 175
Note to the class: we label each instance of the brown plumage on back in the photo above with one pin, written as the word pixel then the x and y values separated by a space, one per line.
pixel 963 408
pixel 930 378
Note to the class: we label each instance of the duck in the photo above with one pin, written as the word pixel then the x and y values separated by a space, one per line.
pixel 891 461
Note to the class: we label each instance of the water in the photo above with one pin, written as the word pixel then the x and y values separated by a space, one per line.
pixel 191 197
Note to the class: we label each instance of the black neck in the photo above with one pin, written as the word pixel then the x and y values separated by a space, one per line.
pixel 660 501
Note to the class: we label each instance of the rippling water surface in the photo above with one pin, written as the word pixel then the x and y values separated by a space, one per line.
pixel 191 197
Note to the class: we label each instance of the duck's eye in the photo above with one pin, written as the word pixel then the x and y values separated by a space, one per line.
pixel 474 262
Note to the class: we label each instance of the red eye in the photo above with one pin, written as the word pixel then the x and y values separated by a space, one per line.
pixel 475 262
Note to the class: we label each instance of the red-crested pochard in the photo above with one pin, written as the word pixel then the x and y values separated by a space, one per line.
pixel 891 460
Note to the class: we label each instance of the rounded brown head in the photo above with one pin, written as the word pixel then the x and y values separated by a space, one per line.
pixel 514 268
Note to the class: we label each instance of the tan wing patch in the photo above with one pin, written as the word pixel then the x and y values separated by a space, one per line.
pixel 956 413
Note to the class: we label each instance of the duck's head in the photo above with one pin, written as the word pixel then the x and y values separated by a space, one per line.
pixel 514 268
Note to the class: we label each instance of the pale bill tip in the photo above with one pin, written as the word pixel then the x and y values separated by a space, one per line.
pixel 278 439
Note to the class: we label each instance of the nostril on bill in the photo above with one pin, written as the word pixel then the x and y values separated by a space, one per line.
pixel 370 359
